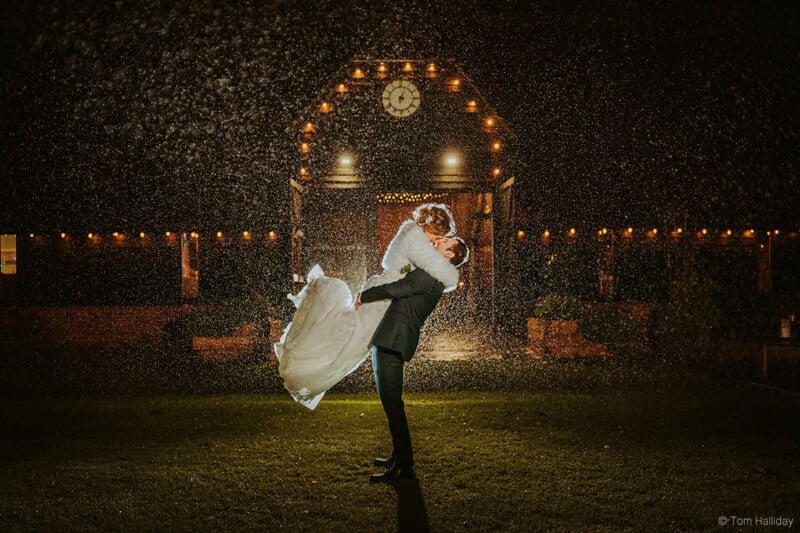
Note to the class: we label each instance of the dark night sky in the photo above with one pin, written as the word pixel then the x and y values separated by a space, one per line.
pixel 161 114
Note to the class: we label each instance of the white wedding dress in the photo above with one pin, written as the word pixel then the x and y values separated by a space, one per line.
pixel 328 339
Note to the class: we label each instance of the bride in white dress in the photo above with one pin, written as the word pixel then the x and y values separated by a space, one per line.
pixel 328 339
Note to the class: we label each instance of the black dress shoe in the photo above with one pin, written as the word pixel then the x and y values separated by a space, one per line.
pixel 392 474
pixel 383 463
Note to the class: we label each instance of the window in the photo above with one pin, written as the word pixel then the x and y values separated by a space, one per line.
pixel 8 254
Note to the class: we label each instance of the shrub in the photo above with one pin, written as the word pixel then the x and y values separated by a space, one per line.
pixel 221 320
pixel 612 327
pixel 685 321
pixel 558 307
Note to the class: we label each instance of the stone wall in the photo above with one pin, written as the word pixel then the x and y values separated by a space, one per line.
pixel 92 326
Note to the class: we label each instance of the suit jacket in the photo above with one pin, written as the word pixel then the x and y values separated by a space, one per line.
pixel 413 298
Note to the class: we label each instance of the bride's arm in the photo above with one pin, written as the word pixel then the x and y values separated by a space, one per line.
pixel 422 255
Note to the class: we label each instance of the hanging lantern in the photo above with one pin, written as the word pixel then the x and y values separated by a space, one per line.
pixel 453 85
pixel 431 70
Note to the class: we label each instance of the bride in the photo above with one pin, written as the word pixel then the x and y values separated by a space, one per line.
pixel 328 339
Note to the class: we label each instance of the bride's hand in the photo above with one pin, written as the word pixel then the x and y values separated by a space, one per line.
pixel 356 305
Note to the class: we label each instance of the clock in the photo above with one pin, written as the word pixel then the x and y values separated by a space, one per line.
pixel 401 98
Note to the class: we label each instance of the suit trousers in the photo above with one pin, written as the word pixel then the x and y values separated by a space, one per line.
pixel 389 370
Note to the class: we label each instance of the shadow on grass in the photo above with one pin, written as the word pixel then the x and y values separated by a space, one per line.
pixel 411 512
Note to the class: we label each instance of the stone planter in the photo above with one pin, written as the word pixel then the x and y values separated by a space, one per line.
pixel 246 344
pixel 561 338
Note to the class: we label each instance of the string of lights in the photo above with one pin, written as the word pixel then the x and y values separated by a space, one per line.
pixel 359 73
pixel 270 235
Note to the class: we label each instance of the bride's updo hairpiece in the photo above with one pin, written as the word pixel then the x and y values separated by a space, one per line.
pixel 436 217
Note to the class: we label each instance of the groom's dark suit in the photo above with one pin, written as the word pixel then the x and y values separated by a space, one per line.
pixel 413 298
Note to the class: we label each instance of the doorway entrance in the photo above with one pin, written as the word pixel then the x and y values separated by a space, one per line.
pixel 347 232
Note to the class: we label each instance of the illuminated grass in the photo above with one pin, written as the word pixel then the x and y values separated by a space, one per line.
pixel 638 460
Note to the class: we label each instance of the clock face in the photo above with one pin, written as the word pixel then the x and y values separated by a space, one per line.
pixel 401 98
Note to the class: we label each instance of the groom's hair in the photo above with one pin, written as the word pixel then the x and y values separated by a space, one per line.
pixel 460 252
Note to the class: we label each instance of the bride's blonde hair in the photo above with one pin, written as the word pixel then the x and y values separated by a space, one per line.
pixel 436 218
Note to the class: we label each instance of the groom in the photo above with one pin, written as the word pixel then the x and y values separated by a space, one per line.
pixel 413 298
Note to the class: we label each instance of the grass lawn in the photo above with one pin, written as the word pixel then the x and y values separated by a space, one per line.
pixel 636 458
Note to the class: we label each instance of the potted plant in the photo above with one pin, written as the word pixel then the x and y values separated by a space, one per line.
pixel 612 327
pixel 555 315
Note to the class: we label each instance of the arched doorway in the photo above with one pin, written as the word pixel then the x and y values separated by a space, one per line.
pixel 384 136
